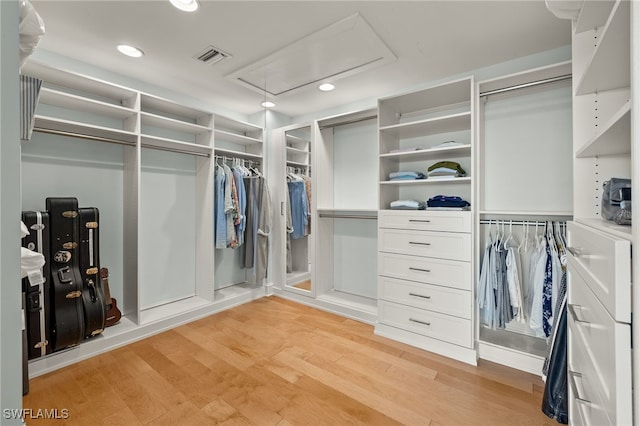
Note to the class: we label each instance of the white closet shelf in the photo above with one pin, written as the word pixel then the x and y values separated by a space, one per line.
pixel 426 181
pixel 168 310
pixel 149 103
pixel 236 138
pixel 296 139
pixel 75 102
pixel 74 128
pixel 612 138
pixel 613 48
pixel 174 145
pixel 234 126
pixel 238 154
pixel 171 123
pixel 593 14
pixel 607 226
pixel 297 164
pixel 77 82
pixel 526 213
pixel 420 154
pixel 430 126
pixel 297 150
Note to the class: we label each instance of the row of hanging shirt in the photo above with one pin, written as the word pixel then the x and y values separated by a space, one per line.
pixel 242 212
pixel 522 282
pixel 299 206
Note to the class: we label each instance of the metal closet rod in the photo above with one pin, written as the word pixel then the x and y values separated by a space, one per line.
pixel 344 123
pixel 525 85
pixel 82 136
pixel 518 222
pixel 115 141
pixel 230 157
pixel 347 216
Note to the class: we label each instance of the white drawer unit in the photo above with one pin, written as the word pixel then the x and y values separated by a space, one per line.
pixel 442 272
pixel 442 245
pixel 426 296
pixel 445 221
pixel 427 323
pixel 606 262
pixel 600 353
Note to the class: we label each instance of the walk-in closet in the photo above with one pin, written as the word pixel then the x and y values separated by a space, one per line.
pixel 368 212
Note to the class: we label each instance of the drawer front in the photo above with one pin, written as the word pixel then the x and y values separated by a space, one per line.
pixel 448 221
pixel 443 245
pixel 444 300
pixel 607 262
pixel 605 346
pixel 431 324
pixel 585 405
pixel 442 272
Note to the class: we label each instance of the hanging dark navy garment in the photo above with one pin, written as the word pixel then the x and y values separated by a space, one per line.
pixel 554 399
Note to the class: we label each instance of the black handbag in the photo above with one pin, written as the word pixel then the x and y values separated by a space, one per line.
pixel 614 192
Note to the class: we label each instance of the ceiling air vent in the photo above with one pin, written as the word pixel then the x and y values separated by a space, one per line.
pixel 210 55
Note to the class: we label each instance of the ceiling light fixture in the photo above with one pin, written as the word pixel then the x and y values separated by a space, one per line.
pixel 268 104
pixel 186 5
pixel 326 87
pixel 129 50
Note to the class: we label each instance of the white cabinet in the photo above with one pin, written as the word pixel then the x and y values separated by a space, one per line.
pixel 425 258
pixel 601 299
pixel 147 164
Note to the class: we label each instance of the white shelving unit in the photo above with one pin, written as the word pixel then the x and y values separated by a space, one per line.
pixel 147 163
pixel 601 269
pixel 525 113
pixel 418 249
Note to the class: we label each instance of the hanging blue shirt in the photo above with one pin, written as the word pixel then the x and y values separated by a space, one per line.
pixel 299 208
pixel 220 219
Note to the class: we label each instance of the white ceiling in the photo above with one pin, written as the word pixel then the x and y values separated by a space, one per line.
pixel 431 39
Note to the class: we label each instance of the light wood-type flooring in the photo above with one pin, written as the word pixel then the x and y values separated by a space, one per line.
pixel 276 362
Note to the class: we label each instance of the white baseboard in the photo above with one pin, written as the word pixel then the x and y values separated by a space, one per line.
pixel 511 358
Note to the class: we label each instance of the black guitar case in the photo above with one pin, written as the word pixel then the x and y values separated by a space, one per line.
pixel 68 311
pixel 37 295
pixel 95 308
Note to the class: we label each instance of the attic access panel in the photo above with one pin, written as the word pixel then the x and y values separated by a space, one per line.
pixel 344 48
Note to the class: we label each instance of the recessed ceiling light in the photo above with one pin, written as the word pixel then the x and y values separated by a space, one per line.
pixel 326 87
pixel 268 104
pixel 128 50
pixel 186 5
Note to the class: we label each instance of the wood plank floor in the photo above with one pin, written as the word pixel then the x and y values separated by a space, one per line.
pixel 276 362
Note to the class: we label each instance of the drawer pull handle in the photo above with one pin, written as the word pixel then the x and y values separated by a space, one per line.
pixel 420 220
pixel 419 295
pixel 574 388
pixel 576 252
pixel 572 311
pixel 419 244
pixel 420 322
pixel 418 269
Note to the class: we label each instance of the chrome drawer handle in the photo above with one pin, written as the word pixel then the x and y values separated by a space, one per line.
pixel 576 252
pixel 420 220
pixel 419 244
pixel 419 295
pixel 418 269
pixel 420 322
pixel 572 311
pixel 574 388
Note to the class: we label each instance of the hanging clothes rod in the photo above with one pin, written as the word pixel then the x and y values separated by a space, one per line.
pixel 518 222
pixel 525 85
pixel 178 151
pixel 344 123
pixel 230 157
pixel 347 216
pixel 82 136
